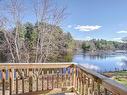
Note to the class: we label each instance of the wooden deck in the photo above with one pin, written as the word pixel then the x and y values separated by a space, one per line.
pixel 65 94
pixel 55 79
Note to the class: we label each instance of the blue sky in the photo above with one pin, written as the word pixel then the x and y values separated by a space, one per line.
pixel 106 19
pixel 87 19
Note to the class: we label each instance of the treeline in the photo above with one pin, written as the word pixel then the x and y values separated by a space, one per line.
pixel 100 44
pixel 55 44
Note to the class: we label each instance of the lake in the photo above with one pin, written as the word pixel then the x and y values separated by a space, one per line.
pixel 103 61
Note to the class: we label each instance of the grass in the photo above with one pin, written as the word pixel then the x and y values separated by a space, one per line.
pixel 122 80
pixel 121 77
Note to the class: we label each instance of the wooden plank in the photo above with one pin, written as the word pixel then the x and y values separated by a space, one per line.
pixel 98 88
pixel 42 80
pixel 93 86
pixel 34 65
pixel 77 79
pixel 82 83
pixel 57 78
pixel 10 82
pixel 17 75
pixel 3 81
pixel 66 77
pixel 30 80
pixel 52 78
pixel 22 84
pixel 62 77
pixel 105 91
pixel 47 72
pixel 74 77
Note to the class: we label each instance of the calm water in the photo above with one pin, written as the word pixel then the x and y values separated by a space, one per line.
pixel 101 62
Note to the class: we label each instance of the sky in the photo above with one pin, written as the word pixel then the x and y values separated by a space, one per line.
pixel 88 19
pixel 99 19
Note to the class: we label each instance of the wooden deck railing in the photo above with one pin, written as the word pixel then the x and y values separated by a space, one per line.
pixel 47 78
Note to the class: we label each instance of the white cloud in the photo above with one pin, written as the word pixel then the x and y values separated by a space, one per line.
pixel 87 27
pixel 117 39
pixel 69 26
pixel 122 32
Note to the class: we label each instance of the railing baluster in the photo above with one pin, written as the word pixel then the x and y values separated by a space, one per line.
pixel 17 81
pixel 98 88
pixel 30 80
pixel 74 76
pixel 66 77
pixel 52 79
pixel 37 71
pixel 22 84
pixel 93 86
pixel 86 88
pixel 105 91
pixel 89 89
pixel 3 81
pixel 71 76
pixel 10 82
pixel 77 79
pixel 23 71
pixel 62 77
pixel 80 81
pixel 83 81
pixel 42 80
pixel 47 79
pixel 57 78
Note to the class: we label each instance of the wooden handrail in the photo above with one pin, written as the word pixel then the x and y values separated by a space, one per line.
pixel 21 78
pixel 34 65
pixel 108 84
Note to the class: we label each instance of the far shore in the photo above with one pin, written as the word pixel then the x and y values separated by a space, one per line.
pixel 96 52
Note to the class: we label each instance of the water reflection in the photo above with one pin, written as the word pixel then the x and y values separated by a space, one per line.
pixel 95 56
pixel 101 62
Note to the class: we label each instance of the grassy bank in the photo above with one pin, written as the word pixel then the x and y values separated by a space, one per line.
pixel 119 76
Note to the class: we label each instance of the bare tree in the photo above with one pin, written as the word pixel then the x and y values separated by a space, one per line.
pixel 48 17
pixel 14 9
